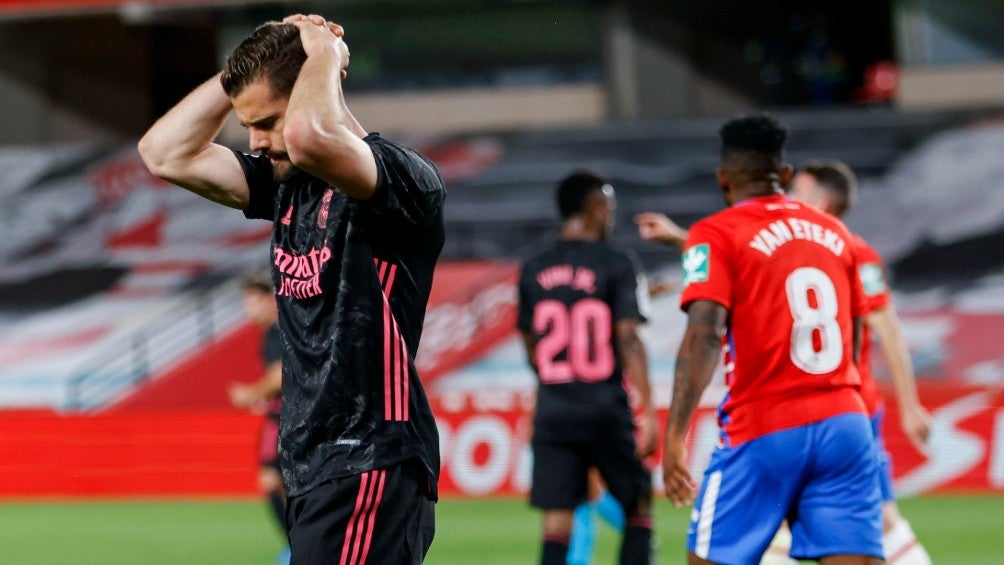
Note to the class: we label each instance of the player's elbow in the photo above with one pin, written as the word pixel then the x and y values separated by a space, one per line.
pixel 300 138
pixel 153 158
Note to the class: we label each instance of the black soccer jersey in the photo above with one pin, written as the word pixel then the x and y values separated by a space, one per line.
pixel 570 298
pixel 352 279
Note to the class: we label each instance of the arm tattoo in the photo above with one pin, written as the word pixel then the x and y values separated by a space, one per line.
pixel 696 361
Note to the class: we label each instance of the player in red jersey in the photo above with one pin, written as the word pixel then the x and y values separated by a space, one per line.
pixel 776 281
pixel 832 187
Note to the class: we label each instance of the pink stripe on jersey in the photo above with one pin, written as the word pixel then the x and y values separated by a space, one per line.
pixel 405 382
pixel 387 400
pixel 396 373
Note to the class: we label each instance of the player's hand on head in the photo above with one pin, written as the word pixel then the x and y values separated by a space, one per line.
pixel 317 34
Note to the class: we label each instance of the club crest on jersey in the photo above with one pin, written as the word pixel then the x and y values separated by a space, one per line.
pixel 322 213
pixel 696 263
pixel 872 278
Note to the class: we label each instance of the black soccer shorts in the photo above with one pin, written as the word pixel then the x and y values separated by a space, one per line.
pixel 560 471
pixel 384 516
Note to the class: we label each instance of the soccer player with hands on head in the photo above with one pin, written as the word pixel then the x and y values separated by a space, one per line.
pixel 357 230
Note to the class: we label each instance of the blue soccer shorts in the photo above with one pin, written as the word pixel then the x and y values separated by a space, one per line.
pixel 822 478
pixel 884 461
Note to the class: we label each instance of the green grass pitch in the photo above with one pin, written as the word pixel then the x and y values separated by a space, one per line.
pixel 958 529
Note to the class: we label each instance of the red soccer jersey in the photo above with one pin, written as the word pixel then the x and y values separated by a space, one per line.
pixel 872 273
pixel 788 276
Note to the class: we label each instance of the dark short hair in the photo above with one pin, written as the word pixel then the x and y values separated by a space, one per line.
pixel 259 280
pixel 573 191
pixel 838 179
pixel 273 51
pixel 760 134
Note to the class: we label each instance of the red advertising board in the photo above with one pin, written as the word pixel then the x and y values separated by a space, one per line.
pixel 484 444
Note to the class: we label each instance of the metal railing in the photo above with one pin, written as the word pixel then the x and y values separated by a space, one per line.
pixel 201 318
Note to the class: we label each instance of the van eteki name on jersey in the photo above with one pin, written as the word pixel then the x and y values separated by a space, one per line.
pixel 771 238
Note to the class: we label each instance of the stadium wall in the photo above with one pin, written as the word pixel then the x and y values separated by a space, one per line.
pixel 483 444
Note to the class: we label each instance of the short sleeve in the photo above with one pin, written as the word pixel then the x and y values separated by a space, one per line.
pixel 409 187
pixel 874 284
pixel 707 267
pixel 630 290
pixel 261 184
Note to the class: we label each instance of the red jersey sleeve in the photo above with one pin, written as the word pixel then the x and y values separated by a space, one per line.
pixel 871 272
pixel 707 266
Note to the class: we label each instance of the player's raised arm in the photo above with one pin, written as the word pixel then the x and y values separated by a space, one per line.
pixel 321 135
pixel 179 147
pixel 914 418
pixel 695 365
pixel 658 228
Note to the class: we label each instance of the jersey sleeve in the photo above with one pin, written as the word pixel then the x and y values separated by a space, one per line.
pixel 409 189
pixel 261 184
pixel 707 267
pixel 630 290
pixel 871 272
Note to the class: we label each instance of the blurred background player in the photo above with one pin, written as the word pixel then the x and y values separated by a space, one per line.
pixel 832 187
pixel 580 304
pixel 264 395
pixel 776 282
pixel 357 230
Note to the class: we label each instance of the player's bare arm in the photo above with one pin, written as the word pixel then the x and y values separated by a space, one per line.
pixel 179 147
pixel 695 365
pixel 530 344
pixel 914 419
pixel 658 228
pixel 857 338
pixel 635 359
pixel 321 136
pixel 245 395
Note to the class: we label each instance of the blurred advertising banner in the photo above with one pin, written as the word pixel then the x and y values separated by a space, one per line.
pixel 484 443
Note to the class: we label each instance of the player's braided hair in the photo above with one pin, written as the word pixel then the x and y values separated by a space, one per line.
pixel 760 133
pixel 573 190
pixel 273 51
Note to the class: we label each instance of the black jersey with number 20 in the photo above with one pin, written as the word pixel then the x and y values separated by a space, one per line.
pixel 570 298
pixel 352 279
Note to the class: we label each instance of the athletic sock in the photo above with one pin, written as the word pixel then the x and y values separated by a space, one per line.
pixel 278 504
pixel 555 550
pixel 580 545
pixel 636 546
pixel 610 510
pixel 902 548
